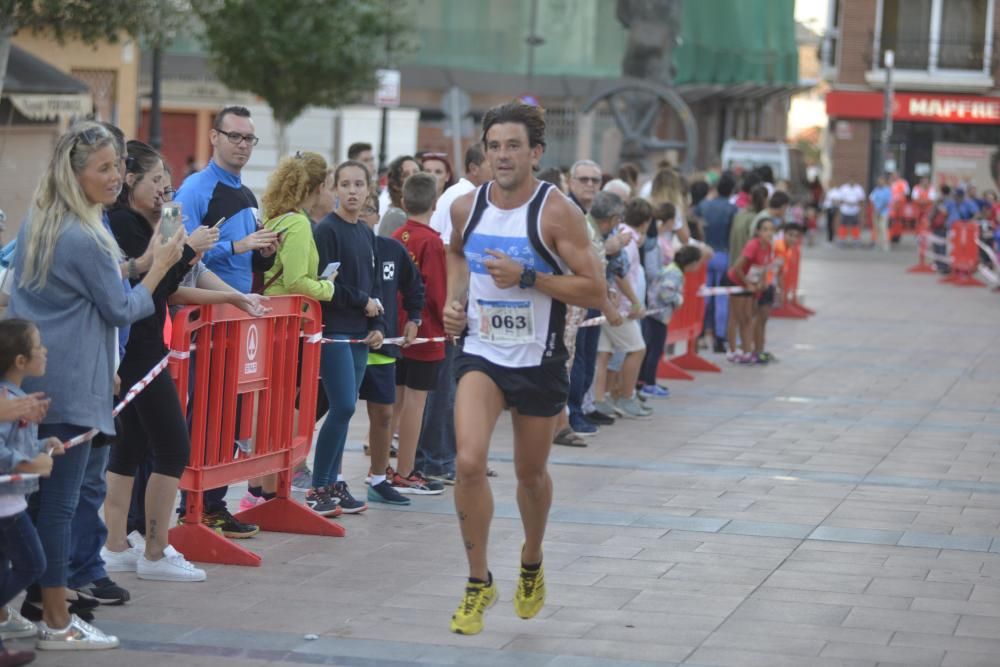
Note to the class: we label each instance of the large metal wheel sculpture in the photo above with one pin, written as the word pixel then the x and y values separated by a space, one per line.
pixel 635 106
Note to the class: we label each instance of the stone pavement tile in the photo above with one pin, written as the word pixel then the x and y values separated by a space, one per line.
pixel 985 593
pixel 763 529
pixel 831 597
pixel 859 535
pixel 748 549
pixel 708 525
pixel 441 636
pixel 927 589
pixel 962 659
pixel 712 573
pixel 884 654
pixel 978 626
pixel 501 618
pixel 870 524
pixel 908 621
pixel 724 637
pixel 667 634
pixel 799 564
pixel 640 618
pixel 749 540
pixel 689 603
pixel 965 607
pixel 607 648
pixel 639 568
pixel 759 609
pixel 682 583
pixel 703 558
pixel 726 657
pixel 983 576
pixel 817 581
pixel 125 657
pixel 963 644
pixel 807 631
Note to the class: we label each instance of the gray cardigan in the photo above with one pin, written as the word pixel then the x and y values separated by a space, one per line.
pixel 77 312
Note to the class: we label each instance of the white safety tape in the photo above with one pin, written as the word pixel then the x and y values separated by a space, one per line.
pixel 398 340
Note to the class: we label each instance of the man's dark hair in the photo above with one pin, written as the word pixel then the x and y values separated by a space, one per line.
pixel 234 110
pixel 687 255
pixel 637 212
pixel 532 117
pixel 758 198
pixel 765 172
pixel 779 199
pixel 474 156
pixel 419 193
pixel 15 339
pixel 666 211
pixel 726 184
pixel 699 190
pixel 793 227
pixel 750 181
pixel 356 149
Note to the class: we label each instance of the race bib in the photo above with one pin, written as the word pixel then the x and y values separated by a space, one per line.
pixel 506 322
pixel 755 273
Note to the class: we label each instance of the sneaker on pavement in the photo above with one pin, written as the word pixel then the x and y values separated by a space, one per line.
pixel 631 409
pixel 383 492
pixel 122 561
pixel 468 618
pixel 446 478
pixel 172 567
pixel 302 480
pixel 320 501
pixel 249 501
pixel 229 525
pixel 568 438
pixel 77 636
pixel 16 626
pixel 416 484
pixel 581 426
pixel 746 359
pixel 654 391
pixel 348 503
pixel 599 418
pixel 530 594
pixel 606 409
pixel 106 591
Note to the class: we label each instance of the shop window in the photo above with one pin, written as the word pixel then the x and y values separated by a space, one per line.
pixel 831 39
pixel 935 34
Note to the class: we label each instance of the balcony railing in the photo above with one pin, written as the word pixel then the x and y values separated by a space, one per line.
pixel 952 53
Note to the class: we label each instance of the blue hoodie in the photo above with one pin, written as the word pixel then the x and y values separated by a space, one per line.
pixel 206 197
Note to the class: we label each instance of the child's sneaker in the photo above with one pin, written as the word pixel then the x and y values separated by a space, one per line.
pixel 16 626
pixel 320 501
pixel 746 359
pixel 654 391
pixel 249 501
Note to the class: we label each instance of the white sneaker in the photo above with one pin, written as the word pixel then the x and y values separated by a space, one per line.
pixel 123 561
pixel 136 539
pixel 16 626
pixel 172 567
pixel 79 636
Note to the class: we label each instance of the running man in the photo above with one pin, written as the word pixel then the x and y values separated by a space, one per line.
pixel 518 254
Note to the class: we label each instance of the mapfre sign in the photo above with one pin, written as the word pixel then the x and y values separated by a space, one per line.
pixel 919 107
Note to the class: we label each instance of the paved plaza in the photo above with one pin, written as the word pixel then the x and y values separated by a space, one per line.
pixel 840 507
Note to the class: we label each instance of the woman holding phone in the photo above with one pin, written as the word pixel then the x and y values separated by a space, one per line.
pixel 295 187
pixel 153 421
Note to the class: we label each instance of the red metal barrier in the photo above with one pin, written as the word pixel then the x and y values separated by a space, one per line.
pixel 909 217
pixel 964 253
pixel 790 306
pixel 923 240
pixel 685 326
pixel 247 366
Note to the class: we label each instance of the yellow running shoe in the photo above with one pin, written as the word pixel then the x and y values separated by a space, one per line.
pixel 530 595
pixel 468 618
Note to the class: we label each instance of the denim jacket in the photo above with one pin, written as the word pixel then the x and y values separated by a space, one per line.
pixel 18 443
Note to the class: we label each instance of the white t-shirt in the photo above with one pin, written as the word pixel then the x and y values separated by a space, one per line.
pixel 441 218
pixel 850 195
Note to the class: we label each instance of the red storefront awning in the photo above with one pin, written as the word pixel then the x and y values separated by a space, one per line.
pixel 920 107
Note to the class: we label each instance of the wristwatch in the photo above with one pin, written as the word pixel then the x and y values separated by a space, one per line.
pixel 527 278
pixel 133 269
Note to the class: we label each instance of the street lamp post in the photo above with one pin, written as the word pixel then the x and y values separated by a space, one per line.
pixel 890 63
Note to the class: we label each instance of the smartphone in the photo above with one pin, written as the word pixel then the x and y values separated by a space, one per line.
pixel 219 222
pixel 330 269
pixel 170 219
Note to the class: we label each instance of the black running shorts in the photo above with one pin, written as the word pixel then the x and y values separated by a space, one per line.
pixel 536 391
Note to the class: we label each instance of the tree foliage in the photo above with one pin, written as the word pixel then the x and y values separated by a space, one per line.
pixel 88 20
pixel 298 53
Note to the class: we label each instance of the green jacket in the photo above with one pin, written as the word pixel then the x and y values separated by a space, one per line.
pixel 297 260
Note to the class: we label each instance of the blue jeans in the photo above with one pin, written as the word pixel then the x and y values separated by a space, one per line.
pixel 654 333
pixel 717 307
pixel 88 531
pixel 21 557
pixel 436 447
pixel 341 369
pixel 52 508
pixel 584 362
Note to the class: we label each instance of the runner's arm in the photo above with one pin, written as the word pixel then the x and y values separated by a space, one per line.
pixel 563 229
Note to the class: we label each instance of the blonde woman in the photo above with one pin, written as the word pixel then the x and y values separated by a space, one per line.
pixel 68 282
pixel 297 186
pixel 668 187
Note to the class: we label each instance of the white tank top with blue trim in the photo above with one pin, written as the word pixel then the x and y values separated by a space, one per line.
pixel 513 327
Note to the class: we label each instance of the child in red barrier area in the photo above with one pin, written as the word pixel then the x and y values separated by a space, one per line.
pixel 790 241
pixel 749 272
pixel 22 560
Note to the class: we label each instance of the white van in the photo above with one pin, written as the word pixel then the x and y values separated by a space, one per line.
pixel 786 162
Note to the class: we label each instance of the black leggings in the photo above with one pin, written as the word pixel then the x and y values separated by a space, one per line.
pixel 153 422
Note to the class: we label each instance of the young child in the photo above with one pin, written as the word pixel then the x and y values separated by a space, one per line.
pixel 21 452
pixel 749 272
pixel 664 294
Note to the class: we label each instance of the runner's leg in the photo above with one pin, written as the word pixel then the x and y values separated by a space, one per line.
pixel 532 442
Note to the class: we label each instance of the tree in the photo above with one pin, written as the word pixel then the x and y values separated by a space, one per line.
pixel 89 20
pixel 298 53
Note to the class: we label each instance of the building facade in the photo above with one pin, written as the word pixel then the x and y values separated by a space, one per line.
pixel 946 107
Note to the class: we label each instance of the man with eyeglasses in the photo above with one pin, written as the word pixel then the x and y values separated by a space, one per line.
pixel 584 182
pixel 216 196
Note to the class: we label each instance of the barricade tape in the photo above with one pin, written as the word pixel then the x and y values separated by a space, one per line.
pixel 398 340
pixel 136 389
pixel 717 291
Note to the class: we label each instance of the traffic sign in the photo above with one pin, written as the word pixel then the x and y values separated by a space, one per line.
pixel 387 91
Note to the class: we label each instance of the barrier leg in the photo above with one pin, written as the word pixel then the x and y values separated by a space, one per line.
pixel 670 371
pixel 690 361
pixel 201 544
pixel 790 310
pixel 962 279
pixel 284 515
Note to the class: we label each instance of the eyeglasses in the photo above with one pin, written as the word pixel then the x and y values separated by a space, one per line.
pixel 168 194
pixel 368 210
pixel 588 179
pixel 236 138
